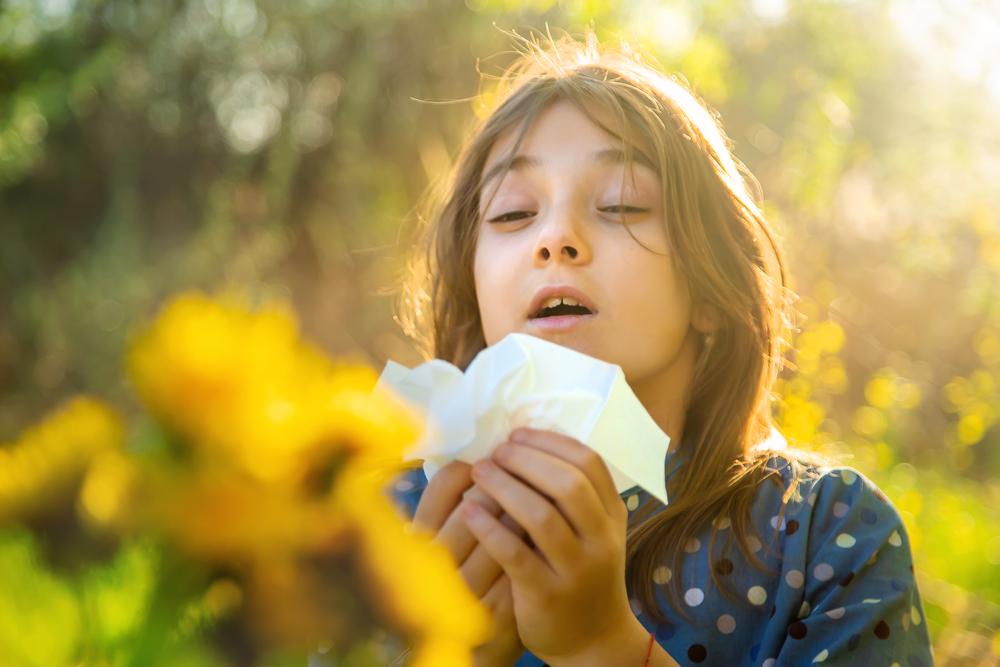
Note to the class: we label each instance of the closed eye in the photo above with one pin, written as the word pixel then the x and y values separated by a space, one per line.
pixel 511 216
pixel 624 209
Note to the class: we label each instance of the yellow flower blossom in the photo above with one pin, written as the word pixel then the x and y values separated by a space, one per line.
pixel 291 457
pixel 218 515
pixel 242 385
pixel 50 458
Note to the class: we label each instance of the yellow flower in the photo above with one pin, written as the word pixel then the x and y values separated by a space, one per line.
pixel 48 461
pixel 292 456
pixel 217 514
pixel 109 487
pixel 242 386
pixel 229 379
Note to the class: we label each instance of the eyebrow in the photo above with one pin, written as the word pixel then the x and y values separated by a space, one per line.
pixel 603 156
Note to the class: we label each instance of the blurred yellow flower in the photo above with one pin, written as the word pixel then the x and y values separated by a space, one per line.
pixel 108 489
pixel 291 454
pixel 218 515
pixel 46 464
pixel 242 386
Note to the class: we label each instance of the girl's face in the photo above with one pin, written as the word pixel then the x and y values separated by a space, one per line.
pixel 554 221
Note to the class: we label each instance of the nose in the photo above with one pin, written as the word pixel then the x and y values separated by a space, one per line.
pixel 561 238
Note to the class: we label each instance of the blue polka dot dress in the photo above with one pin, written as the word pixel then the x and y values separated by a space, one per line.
pixel 844 592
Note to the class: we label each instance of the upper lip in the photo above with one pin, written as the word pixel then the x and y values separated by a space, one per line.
pixel 549 291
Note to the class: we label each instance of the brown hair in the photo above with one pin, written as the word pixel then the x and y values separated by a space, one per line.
pixel 724 247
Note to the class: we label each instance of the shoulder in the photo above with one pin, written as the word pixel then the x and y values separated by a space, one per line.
pixel 836 497
pixel 843 518
pixel 845 550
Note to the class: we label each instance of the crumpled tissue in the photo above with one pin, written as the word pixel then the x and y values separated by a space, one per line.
pixel 524 380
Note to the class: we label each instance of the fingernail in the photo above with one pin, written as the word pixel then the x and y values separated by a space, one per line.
pixel 519 435
pixel 482 468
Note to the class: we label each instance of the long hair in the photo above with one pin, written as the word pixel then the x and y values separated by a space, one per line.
pixel 724 247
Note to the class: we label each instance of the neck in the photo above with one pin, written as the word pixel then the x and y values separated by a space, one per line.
pixel 665 394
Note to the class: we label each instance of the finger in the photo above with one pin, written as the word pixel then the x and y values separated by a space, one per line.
pixel 442 494
pixel 500 602
pixel 499 597
pixel 580 455
pixel 519 562
pixel 455 535
pixel 480 570
pixel 563 482
pixel 544 522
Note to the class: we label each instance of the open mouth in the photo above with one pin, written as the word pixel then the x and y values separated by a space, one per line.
pixel 564 317
pixel 561 310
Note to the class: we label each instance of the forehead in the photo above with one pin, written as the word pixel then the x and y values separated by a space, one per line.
pixel 563 125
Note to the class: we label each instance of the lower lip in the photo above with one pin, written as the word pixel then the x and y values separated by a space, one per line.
pixel 560 322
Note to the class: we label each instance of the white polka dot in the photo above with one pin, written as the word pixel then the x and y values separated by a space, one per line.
pixel 754 543
pixel 895 664
pixel 915 615
pixel 794 578
pixel 846 541
pixel 822 656
pixel 778 523
pixel 770 662
pixel 632 502
pixel 662 574
pixel 823 572
pixel 804 609
pixel 836 613
pixel 871 600
pixel 905 621
pixel 726 624
pixel 848 476
pixel 694 597
pixel 404 485
pixel 840 509
pixel 721 522
pixel 757 595
pixel 812 498
pixel 895 540
pixel 692 545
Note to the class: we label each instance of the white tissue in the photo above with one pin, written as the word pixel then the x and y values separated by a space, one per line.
pixel 527 381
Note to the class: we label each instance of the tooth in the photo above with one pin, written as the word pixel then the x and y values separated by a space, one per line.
pixel 556 300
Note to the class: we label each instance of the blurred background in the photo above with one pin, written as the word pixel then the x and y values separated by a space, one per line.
pixel 282 147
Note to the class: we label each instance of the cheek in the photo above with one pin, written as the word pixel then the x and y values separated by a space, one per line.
pixel 653 235
pixel 489 292
pixel 480 281
pixel 647 290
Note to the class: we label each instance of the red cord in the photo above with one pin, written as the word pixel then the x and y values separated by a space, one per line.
pixel 649 650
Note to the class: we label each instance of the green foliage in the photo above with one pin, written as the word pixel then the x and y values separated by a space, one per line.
pixel 52 618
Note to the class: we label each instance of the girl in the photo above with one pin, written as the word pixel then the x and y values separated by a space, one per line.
pixel 598 206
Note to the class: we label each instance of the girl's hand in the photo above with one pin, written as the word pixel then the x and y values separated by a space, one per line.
pixel 437 514
pixel 569 594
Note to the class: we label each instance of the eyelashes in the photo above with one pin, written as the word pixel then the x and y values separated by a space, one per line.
pixel 510 217
pixel 513 216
